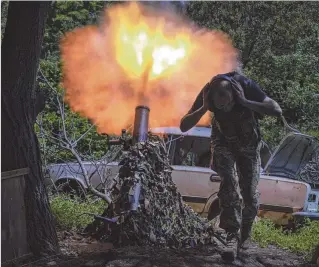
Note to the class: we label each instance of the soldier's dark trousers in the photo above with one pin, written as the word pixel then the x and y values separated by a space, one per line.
pixel 239 169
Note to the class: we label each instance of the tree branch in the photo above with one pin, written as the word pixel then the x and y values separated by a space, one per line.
pixel 71 146
pixel 86 177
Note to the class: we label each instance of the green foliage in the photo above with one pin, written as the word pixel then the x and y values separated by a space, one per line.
pixel 272 131
pixel 313 132
pixel 4 12
pixel 66 16
pixel 91 146
pixel 303 240
pixel 69 212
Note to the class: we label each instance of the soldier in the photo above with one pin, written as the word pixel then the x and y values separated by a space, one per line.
pixel 236 103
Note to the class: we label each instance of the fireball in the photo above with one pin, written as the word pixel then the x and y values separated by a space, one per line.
pixel 140 56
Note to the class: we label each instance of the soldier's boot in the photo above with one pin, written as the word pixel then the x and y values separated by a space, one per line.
pixel 229 253
pixel 245 237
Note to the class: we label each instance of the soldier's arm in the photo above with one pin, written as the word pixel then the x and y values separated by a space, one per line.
pixel 197 111
pixel 191 119
pixel 255 99
pixel 268 107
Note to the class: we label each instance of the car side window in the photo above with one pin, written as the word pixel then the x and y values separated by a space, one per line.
pixel 192 151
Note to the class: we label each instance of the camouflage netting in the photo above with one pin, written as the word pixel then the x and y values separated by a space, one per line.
pixel 163 218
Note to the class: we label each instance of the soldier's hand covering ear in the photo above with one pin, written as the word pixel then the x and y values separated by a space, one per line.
pixel 239 92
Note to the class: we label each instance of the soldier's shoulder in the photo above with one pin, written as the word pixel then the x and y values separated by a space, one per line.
pixel 239 76
pixel 242 79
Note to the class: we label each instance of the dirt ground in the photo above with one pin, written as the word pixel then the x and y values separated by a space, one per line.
pixel 85 252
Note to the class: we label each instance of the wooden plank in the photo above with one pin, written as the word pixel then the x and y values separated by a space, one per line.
pixel 13 220
pixel 19 173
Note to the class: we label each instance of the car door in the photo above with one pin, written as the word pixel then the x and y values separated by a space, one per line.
pixel 190 160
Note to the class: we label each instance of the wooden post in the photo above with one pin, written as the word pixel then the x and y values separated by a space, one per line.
pixel 14 242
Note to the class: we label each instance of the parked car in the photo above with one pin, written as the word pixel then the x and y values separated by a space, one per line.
pixel 289 160
pixel 281 194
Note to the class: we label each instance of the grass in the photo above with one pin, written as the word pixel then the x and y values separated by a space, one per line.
pixel 304 240
pixel 68 214
pixel 69 211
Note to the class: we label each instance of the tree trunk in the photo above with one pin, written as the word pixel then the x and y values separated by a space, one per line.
pixel 21 49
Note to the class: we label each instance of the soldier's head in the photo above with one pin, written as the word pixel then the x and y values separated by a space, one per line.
pixel 222 95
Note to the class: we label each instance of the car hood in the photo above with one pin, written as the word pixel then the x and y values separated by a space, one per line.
pixel 292 154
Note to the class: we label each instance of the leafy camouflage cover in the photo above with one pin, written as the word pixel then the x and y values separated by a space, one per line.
pixel 163 218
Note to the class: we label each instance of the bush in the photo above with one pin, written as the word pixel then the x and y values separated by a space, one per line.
pixel 69 212
pixel 302 240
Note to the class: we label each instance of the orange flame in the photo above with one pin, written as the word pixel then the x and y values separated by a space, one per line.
pixel 140 56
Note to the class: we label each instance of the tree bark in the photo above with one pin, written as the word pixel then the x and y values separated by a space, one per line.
pixel 21 48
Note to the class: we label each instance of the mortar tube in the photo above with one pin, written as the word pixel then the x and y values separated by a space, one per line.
pixel 140 134
pixel 141 122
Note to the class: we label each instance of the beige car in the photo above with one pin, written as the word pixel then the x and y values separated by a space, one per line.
pixel 189 153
